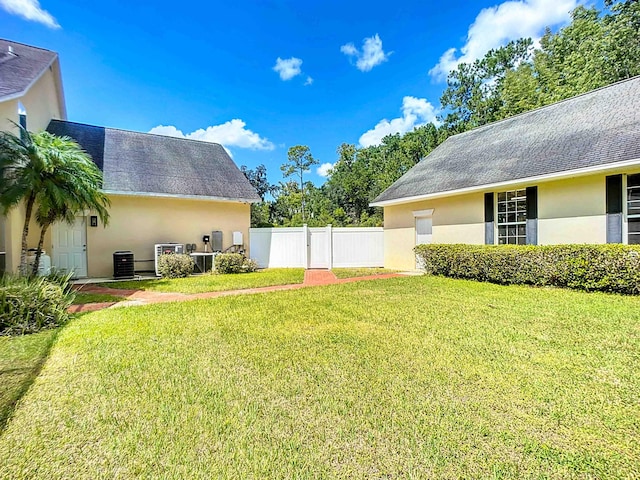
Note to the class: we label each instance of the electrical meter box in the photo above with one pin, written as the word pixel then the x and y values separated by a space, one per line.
pixel 237 239
pixel 216 241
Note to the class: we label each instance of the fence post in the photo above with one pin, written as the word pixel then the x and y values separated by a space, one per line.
pixel 330 245
pixel 305 233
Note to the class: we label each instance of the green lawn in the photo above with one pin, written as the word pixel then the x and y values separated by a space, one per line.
pixel 82 298
pixel 20 362
pixel 418 377
pixel 215 283
pixel 360 272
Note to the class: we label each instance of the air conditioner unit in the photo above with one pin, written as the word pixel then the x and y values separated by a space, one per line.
pixel 166 249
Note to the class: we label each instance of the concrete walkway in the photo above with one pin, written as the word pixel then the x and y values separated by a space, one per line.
pixel 312 278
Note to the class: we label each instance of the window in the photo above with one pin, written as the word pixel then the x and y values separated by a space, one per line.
pixel 633 208
pixel 512 217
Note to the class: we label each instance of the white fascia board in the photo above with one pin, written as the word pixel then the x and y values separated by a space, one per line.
pixel 511 183
pixel 183 197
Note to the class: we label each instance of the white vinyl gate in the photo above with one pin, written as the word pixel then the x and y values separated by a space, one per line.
pixel 323 247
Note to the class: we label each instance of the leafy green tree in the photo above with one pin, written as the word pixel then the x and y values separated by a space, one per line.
pixel 472 95
pixel 260 212
pixel 299 160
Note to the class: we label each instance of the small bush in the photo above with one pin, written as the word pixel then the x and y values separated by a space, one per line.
pixel 30 305
pixel 234 263
pixel 175 265
pixel 605 268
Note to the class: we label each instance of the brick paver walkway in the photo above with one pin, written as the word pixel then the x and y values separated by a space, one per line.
pixel 312 278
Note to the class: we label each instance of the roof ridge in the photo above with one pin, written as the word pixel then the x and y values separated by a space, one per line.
pixel 139 133
pixel 543 107
pixel 27 45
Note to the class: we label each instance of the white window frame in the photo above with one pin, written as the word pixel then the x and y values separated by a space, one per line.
pixel 508 224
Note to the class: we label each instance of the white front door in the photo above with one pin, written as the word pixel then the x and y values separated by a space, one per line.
pixel 424 227
pixel 70 247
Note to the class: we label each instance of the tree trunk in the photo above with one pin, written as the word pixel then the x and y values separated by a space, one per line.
pixel 25 233
pixel 302 194
pixel 36 263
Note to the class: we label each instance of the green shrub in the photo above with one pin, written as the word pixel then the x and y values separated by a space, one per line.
pixel 606 268
pixel 175 265
pixel 234 263
pixel 30 305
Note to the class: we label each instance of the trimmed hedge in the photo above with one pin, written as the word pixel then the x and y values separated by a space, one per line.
pixel 234 263
pixel 30 305
pixel 605 268
pixel 175 265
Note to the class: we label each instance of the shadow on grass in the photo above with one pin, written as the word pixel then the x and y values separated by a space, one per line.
pixel 21 360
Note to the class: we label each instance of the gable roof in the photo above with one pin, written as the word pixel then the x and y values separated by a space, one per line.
pixel 21 66
pixel 595 129
pixel 135 163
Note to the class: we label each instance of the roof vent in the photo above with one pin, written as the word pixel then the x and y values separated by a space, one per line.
pixel 10 51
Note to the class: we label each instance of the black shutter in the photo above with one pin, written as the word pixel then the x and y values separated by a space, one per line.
pixel 614 208
pixel 488 218
pixel 614 194
pixel 532 215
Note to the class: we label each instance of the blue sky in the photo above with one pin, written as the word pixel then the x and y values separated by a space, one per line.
pixel 260 77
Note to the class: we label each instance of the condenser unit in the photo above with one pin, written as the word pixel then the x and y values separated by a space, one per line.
pixel 166 249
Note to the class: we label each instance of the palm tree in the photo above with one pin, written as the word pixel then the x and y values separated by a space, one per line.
pixel 52 173
pixel 73 187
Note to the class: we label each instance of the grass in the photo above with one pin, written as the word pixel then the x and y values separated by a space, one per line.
pixel 82 298
pixel 419 377
pixel 360 272
pixel 212 282
pixel 20 361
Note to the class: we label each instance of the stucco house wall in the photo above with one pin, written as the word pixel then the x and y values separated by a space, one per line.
pixel 137 223
pixel 457 219
pixel 570 211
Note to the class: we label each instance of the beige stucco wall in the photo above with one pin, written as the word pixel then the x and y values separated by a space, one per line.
pixel 572 211
pixel 8 114
pixel 458 219
pixel 41 102
pixel 137 223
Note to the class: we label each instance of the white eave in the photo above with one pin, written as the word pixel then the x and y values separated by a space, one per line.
pixel 511 183
pixel 183 197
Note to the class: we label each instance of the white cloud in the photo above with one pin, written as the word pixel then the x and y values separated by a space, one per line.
pixel 308 82
pixel 372 53
pixel 29 10
pixel 229 134
pixel 498 25
pixel 323 170
pixel 415 113
pixel 288 68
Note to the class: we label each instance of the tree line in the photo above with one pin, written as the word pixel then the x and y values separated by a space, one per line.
pixel 597 48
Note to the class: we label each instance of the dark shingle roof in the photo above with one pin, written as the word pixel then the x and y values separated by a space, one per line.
pixel 19 69
pixel 589 130
pixel 143 163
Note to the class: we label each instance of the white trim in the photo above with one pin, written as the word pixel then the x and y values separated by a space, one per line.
pixel 171 195
pixel 423 213
pixel 511 183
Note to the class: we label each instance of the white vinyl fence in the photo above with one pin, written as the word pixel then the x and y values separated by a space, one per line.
pixel 324 247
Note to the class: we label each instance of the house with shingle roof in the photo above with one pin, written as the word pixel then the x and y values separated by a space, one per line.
pixel 565 173
pixel 162 189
